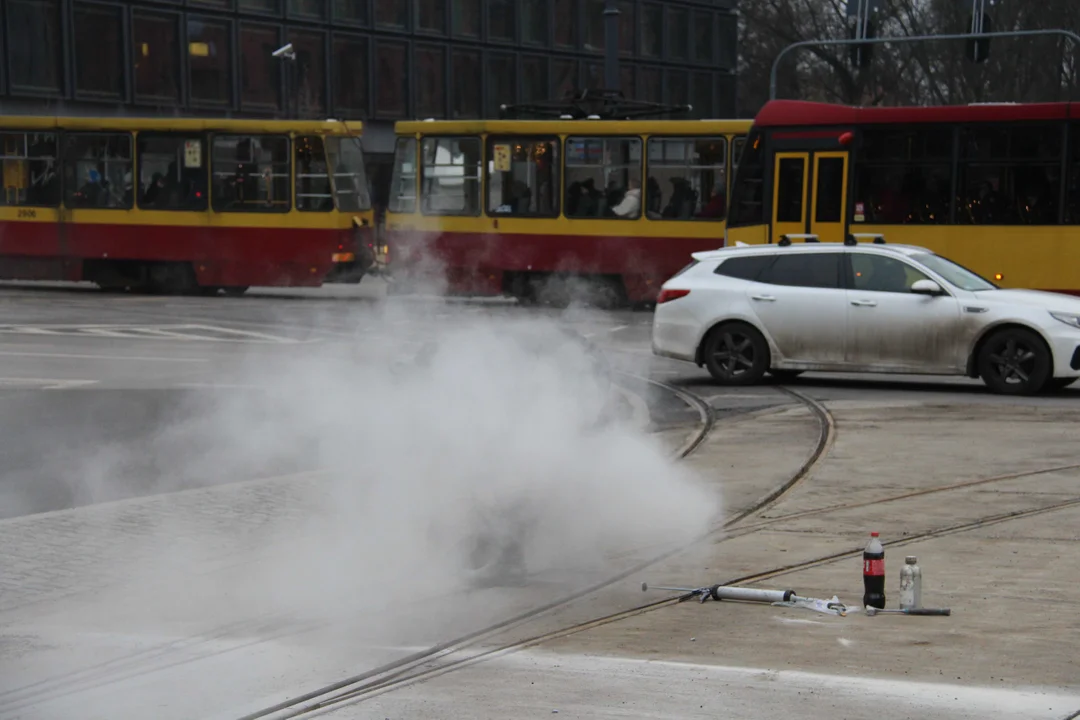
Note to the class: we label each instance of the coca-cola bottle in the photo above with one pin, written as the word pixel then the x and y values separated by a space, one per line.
pixel 874 573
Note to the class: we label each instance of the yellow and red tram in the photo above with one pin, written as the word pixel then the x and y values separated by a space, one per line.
pixel 994 187
pixel 183 204
pixel 504 207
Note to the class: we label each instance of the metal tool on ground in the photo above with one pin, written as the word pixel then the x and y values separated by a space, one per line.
pixel 786 598
pixel 725 592
pixel 871 610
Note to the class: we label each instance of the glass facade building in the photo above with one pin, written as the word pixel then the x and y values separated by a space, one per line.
pixel 371 60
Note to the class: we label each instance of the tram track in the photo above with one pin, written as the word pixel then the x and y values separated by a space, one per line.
pixel 409 669
pixel 149 660
pixel 467 651
pixel 477 647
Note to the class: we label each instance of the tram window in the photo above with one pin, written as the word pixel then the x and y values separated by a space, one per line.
pixel 1072 191
pixel 172 172
pixel 346 157
pixel 312 176
pixel 403 181
pixel 903 175
pixel 687 179
pixel 30 164
pixel 450 176
pixel 747 198
pixel 737 145
pixel 1009 175
pixel 523 177
pixel 790 190
pixel 251 173
pixel 97 170
pixel 829 190
pixel 603 178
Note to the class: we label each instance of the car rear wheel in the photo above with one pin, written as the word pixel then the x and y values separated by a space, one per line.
pixel 1015 361
pixel 736 354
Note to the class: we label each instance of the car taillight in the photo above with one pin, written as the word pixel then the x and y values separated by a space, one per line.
pixel 667 295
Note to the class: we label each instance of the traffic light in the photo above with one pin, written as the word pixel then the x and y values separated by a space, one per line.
pixel 978 49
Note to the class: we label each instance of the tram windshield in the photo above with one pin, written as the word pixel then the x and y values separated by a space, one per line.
pixel 346 158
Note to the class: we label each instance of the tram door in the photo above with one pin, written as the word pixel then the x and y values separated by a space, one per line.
pixel 810 195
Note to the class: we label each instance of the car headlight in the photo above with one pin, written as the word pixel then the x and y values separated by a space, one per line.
pixel 1067 318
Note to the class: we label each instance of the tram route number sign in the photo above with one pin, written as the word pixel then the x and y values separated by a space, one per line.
pixel 193 153
pixel 502 158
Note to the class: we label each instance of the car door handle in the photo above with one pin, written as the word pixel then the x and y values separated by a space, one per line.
pixel 763 298
pixel 864 303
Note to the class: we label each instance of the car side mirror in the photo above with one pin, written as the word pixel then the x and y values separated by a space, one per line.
pixel 927 287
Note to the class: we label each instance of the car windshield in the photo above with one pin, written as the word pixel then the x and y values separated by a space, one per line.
pixel 957 275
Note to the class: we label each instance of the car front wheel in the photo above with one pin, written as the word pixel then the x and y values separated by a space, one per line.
pixel 736 354
pixel 1015 361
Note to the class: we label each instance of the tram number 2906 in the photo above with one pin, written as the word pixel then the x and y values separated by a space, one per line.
pixel 27 213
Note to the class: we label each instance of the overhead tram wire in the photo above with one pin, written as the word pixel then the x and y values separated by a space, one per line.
pixel 591 104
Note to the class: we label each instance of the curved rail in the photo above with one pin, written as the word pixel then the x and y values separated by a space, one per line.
pixel 405 670
pixel 408 676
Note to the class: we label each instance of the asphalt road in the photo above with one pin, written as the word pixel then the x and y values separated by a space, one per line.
pixel 256 592
pixel 107 396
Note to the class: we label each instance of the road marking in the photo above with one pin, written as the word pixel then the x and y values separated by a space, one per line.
pixel 45 383
pixel 75 356
pixel 219 386
pixel 183 332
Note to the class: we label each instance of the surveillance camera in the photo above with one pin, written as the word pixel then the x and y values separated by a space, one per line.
pixel 285 51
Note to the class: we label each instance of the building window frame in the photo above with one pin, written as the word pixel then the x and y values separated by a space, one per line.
pixel 64 58
pixel 282 102
pixel 335 21
pixel 184 99
pixel 249 12
pixel 291 14
pixel 380 40
pixel 127 86
pixel 414 87
pixel 326 60
pixel 232 75
pixel 351 36
pixel 428 32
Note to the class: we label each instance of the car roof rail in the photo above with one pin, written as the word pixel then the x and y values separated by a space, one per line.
pixel 786 238
pixel 853 238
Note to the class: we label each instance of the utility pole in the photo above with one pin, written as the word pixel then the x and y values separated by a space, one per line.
pixel 861 10
pixel 978 49
pixel 611 45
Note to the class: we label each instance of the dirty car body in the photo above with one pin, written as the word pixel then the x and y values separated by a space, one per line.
pixel 783 309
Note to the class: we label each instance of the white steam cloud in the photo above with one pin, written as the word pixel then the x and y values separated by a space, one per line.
pixel 482 437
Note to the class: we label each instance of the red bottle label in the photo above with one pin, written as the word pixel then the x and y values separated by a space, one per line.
pixel 874 567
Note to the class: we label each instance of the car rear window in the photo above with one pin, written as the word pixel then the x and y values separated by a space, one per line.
pixel 684 269
pixel 810 270
pixel 748 267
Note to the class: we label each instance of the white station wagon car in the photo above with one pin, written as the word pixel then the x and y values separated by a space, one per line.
pixel 742 312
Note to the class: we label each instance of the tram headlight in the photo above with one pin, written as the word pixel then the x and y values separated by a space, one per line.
pixel 1067 318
